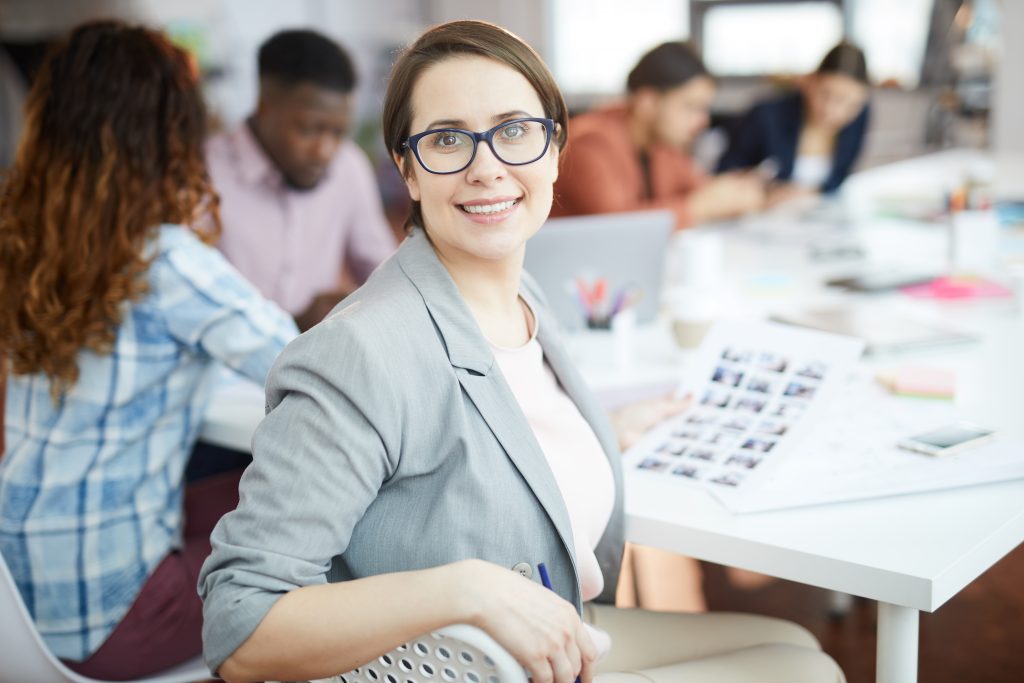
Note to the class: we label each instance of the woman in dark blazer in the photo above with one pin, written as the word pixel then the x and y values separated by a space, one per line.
pixel 812 136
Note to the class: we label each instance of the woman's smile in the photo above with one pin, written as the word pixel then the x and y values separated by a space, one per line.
pixel 492 210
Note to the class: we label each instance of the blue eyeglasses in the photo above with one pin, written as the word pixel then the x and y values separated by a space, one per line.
pixel 450 150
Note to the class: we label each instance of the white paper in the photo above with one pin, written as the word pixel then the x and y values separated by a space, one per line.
pixel 850 453
pixel 756 385
pixel 834 439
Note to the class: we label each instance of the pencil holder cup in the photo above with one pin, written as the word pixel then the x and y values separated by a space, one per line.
pixel 623 328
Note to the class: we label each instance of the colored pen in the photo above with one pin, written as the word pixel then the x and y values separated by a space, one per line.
pixel 620 299
pixel 544 578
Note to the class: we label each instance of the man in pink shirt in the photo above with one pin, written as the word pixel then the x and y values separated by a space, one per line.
pixel 299 201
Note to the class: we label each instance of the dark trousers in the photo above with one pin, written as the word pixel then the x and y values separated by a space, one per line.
pixel 163 626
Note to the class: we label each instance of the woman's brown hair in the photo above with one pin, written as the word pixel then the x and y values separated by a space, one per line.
pixel 112 148
pixel 463 38
pixel 845 59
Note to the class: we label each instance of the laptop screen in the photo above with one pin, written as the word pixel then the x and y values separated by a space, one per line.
pixel 592 267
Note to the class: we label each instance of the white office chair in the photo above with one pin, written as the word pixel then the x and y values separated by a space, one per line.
pixel 453 654
pixel 25 659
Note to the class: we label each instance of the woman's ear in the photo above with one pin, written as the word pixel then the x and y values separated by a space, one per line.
pixel 408 175
pixel 556 155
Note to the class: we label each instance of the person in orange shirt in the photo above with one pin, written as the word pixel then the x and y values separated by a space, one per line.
pixel 635 156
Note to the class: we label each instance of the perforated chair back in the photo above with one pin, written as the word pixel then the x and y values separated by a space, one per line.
pixel 24 657
pixel 454 654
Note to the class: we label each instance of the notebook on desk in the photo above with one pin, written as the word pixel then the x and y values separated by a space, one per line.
pixel 882 331
pixel 625 251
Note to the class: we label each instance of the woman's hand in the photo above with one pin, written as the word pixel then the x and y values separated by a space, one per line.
pixel 632 421
pixel 727 195
pixel 790 193
pixel 538 628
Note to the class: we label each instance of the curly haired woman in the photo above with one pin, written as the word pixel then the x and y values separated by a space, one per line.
pixel 112 309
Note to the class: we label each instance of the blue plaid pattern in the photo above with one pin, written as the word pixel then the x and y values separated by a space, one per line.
pixel 91 487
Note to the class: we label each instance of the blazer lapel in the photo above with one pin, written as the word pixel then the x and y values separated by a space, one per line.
pixel 482 381
pixel 497 405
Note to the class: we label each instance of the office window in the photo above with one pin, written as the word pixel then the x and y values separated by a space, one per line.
pixel 594 43
pixel 776 38
pixel 893 36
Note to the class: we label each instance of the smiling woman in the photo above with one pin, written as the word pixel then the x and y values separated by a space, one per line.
pixel 454 448
pixel 511 199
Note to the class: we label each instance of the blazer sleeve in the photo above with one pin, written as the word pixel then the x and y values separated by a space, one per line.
pixel 320 457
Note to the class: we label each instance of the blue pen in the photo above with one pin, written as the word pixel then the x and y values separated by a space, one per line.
pixel 546 581
pixel 544 578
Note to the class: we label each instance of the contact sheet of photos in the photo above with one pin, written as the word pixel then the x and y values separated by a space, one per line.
pixel 752 384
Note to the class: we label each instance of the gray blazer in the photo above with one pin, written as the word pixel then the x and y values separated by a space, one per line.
pixel 392 442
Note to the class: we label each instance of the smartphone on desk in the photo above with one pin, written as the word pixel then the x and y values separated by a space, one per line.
pixel 947 439
pixel 880 281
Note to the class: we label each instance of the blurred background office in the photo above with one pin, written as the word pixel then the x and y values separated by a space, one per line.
pixel 943 74
pixel 937 64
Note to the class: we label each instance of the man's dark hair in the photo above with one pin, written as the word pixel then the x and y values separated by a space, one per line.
pixel 665 67
pixel 303 56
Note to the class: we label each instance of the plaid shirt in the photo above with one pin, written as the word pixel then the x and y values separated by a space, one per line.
pixel 91 487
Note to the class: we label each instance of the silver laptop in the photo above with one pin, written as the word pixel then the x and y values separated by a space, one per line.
pixel 592 266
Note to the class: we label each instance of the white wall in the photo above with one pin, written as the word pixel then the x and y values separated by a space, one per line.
pixel 371 32
pixel 1008 88
pixel 525 18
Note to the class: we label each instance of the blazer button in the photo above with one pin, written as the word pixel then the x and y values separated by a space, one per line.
pixel 524 569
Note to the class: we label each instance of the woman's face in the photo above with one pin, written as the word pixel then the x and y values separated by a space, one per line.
pixel 680 114
pixel 833 100
pixel 487 211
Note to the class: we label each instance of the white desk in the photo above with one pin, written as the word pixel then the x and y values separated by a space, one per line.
pixel 910 553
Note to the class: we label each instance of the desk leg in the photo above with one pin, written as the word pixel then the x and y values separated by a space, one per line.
pixel 897 644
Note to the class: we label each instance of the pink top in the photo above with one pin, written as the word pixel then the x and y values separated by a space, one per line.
pixel 293 244
pixel 572 450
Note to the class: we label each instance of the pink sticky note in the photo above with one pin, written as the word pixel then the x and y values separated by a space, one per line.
pixel 956 288
pixel 921 381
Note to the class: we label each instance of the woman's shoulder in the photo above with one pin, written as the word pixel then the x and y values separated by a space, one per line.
pixel 378 349
pixel 170 236
pixel 175 245
pixel 385 307
pixel 384 322
pixel 183 266
pixel 604 122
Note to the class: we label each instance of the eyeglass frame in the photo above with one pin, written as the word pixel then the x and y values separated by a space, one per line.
pixel 412 142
